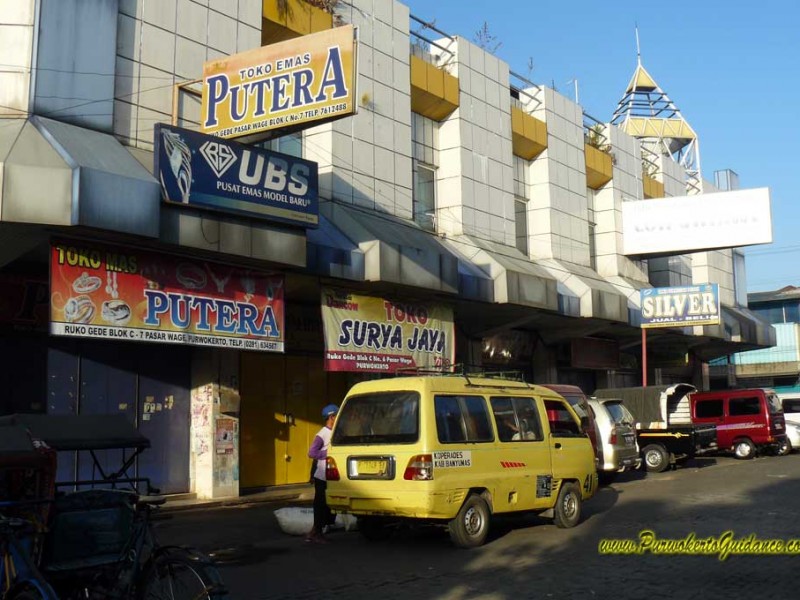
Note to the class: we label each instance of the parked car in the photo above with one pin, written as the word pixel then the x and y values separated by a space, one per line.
pixel 454 451
pixel 747 420
pixel 617 435
pixel 580 403
pixel 664 429
pixel 791 414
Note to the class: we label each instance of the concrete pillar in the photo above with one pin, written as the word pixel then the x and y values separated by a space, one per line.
pixel 214 426
pixel 544 365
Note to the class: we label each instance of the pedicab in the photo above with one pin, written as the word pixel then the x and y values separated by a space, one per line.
pixel 92 537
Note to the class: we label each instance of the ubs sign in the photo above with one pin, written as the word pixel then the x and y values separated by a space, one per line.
pixel 207 172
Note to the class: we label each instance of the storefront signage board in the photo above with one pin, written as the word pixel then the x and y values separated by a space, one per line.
pixel 300 82
pixel 203 171
pixel 680 306
pixel 374 335
pixel 99 291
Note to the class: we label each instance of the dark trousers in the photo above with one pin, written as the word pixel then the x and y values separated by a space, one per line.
pixel 322 514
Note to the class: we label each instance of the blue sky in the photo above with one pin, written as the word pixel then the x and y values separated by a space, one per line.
pixel 732 68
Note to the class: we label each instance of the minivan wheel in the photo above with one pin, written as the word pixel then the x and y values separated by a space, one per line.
pixel 744 449
pixel 471 525
pixel 656 459
pixel 784 448
pixel 567 511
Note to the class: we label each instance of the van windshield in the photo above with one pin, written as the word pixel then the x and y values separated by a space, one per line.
pixel 774 404
pixel 385 418
pixel 619 414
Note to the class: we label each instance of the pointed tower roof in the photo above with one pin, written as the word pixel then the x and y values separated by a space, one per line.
pixel 641 80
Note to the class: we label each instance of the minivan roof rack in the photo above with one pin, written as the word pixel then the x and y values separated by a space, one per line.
pixel 462 370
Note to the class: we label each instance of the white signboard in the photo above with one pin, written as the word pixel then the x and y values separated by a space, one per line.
pixel 696 223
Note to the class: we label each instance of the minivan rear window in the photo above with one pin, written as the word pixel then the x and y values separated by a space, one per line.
pixel 774 404
pixel 619 414
pixel 384 418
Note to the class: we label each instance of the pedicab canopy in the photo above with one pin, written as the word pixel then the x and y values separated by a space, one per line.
pixel 76 432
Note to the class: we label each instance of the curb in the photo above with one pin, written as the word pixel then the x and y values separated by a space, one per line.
pixel 277 498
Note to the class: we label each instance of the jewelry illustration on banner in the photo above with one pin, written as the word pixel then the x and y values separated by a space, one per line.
pixel 112 289
pixel 116 312
pixel 190 276
pixel 86 284
pixel 249 287
pixel 220 282
pixel 79 310
pixel 180 162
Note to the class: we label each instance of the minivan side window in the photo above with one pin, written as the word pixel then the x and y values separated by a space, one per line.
pixel 462 419
pixel 562 423
pixel 517 419
pixel 708 409
pixel 740 407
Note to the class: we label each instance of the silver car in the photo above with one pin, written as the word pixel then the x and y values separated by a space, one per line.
pixel 791 412
pixel 616 431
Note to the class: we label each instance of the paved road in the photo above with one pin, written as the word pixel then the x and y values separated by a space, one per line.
pixel 528 557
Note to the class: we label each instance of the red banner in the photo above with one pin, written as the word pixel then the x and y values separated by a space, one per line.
pixel 120 293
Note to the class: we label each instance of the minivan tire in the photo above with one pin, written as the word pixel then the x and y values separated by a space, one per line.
pixel 784 448
pixel 744 449
pixel 567 511
pixel 471 525
pixel 655 458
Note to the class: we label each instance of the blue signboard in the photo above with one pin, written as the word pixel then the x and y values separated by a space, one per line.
pixel 680 306
pixel 204 171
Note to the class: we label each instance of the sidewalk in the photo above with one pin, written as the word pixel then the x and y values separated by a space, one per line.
pixel 278 495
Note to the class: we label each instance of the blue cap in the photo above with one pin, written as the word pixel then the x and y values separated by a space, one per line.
pixel 329 410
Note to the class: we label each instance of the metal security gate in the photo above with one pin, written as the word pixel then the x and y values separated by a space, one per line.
pixel 149 384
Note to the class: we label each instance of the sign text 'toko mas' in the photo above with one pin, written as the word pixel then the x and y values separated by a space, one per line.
pixel 310 79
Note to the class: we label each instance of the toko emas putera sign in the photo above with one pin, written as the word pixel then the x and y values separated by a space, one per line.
pixel 306 80
pixel 680 306
pixel 375 335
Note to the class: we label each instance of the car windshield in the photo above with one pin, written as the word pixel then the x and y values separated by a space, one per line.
pixel 619 414
pixel 578 404
pixel 774 404
pixel 385 418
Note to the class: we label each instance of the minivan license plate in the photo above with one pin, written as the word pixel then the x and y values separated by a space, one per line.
pixel 630 440
pixel 372 467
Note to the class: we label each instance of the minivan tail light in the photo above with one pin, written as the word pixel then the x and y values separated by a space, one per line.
pixel 612 439
pixel 331 470
pixel 420 468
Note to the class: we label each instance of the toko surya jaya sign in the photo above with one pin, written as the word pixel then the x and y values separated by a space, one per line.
pixel 307 80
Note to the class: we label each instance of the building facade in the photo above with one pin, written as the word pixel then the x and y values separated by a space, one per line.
pixel 456 182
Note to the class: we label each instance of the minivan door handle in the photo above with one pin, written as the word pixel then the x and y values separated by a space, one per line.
pixel 557 446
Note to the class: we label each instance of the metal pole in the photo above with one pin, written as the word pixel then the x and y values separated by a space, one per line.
pixel 644 357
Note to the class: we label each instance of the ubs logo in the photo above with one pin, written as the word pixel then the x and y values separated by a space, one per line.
pixel 218 156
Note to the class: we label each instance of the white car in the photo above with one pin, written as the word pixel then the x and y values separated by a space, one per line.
pixel 791 412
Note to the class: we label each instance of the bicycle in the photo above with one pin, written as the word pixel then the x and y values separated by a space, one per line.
pixel 119 557
pixel 20 579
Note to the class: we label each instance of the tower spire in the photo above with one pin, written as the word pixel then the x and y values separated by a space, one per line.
pixel 638 48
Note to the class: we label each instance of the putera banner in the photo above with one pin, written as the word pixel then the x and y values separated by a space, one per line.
pixel 680 306
pixel 204 171
pixel 374 335
pixel 310 79
pixel 99 291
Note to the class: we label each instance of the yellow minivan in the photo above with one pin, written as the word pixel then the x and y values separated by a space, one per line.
pixel 455 450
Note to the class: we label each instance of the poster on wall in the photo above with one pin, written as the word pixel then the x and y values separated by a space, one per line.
pixel 303 81
pixel 99 291
pixel 366 334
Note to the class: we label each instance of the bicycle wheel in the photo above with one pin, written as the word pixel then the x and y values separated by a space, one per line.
pixel 27 592
pixel 180 574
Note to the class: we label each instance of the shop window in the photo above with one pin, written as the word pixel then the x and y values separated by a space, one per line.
pixel 708 409
pixel 291 144
pixel 462 419
pixel 425 139
pixel 741 407
pixel 424 197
